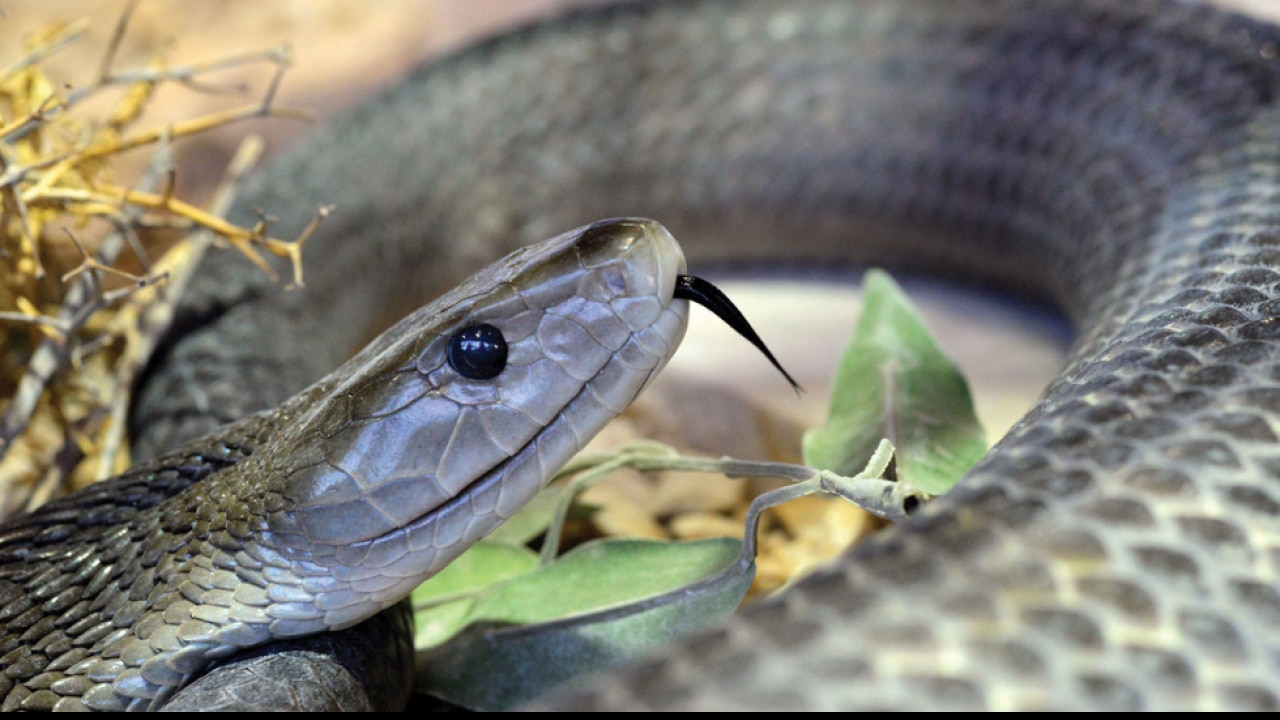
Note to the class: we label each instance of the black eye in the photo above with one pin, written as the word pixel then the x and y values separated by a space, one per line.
pixel 478 353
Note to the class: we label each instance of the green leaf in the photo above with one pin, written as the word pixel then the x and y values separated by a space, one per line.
pixel 443 604
pixel 596 607
pixel 894 382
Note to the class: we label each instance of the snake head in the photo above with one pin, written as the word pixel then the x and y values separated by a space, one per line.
pixel 402 459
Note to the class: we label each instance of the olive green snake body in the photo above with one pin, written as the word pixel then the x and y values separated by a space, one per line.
pixel 1119 548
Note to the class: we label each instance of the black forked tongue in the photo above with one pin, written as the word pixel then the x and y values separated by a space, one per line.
pixel 710 297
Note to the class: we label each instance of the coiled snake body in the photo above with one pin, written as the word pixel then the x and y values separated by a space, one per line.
pixel 1120 548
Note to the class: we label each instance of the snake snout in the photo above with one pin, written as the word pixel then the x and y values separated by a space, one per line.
pixel 647 257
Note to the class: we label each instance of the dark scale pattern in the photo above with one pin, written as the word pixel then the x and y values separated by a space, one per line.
pixel 1117 550
pixel 114 598
pixel 78 577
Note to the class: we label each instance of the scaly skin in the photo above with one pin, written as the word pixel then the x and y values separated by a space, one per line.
pixel 1122 159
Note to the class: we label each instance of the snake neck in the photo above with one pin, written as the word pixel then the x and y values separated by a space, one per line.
pixel 138 583
pixel 80 572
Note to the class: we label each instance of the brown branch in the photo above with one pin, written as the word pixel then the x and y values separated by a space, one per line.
pixel 12 202
pixel 55 324
pixel 194 126
pixel 61 39
pixel 14 130
pixel 82 299
pixel 64 181
pixel 117 37
pixel 144 328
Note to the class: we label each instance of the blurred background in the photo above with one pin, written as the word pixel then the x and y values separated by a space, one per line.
pixel 343 50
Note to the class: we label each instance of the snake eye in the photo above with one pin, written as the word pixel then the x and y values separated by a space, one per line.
pixel 478 353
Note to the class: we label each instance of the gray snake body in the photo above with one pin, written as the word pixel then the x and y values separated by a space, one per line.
pixel 1120 548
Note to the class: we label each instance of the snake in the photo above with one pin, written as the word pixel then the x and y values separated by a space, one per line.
pixel 1119 548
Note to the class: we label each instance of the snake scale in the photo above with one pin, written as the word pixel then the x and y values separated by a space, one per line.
pixel 1118 549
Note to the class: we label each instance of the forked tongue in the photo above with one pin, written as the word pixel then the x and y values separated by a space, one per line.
pixel 710 297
